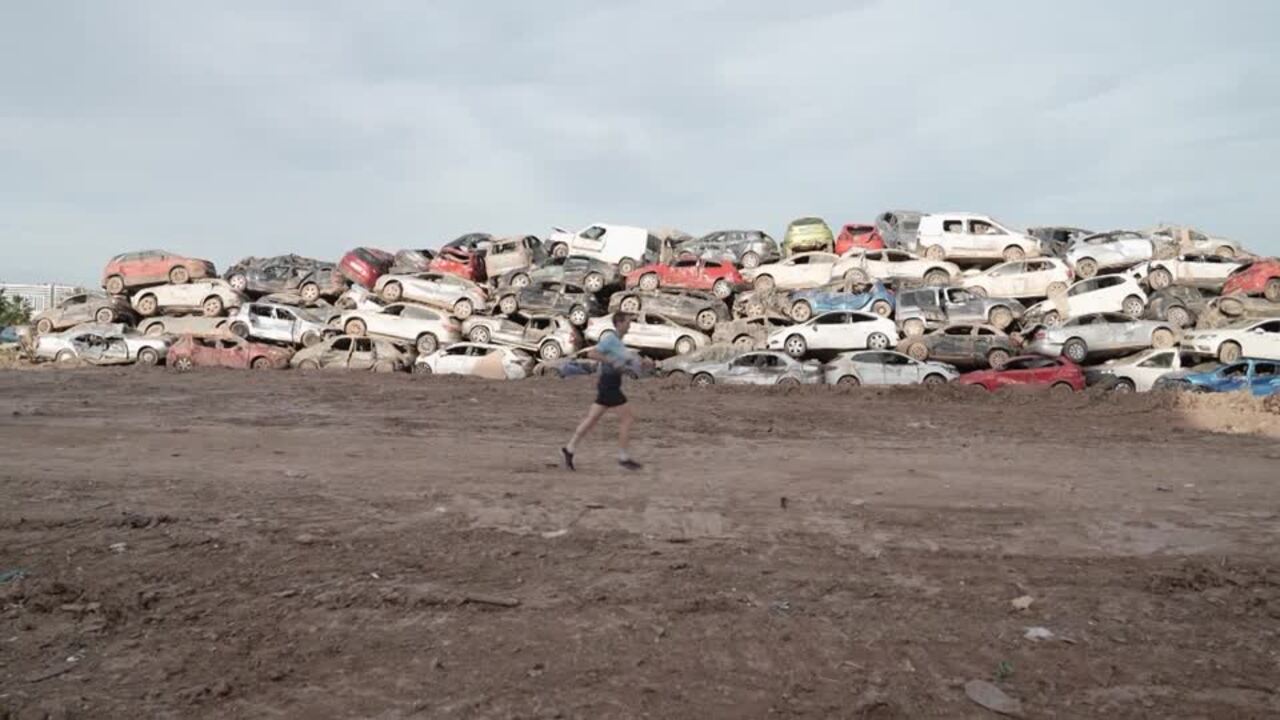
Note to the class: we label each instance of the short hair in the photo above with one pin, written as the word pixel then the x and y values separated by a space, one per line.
pixel 619 318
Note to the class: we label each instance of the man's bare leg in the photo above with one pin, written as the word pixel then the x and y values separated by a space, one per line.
pixel 624 438
pixel 593 416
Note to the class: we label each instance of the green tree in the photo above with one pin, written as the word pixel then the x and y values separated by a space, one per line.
pixel 13 311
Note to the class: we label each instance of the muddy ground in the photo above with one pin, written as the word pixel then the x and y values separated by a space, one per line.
pixel 294 545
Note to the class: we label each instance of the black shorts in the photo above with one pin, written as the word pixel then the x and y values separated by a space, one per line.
pixel 610 397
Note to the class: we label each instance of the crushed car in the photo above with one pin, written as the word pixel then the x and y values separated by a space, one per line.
pixel 190 352
pixel 840 295
pixel 1254 339
pixel 100 346
pixel 807 234
pixel 1035 278
pixel 550 298
pixel 82 308
pixel 867 265
pixel 579 270
pixel 799 270
pixel 749 333
pixel 721 277
pixel 1204 271
pixel 279 323
pixel 933 307
pixel 1259 377
pixel 972 237
pixel 967 345
pixel 452 293
pixel 1104 293
pixel 744 248
pixel 858 236
pixel 346 352
pixel 310 279
pixel 693 308
pixel 364 265
pixel 1260 277
pixel 1134 373
pixel 1114 250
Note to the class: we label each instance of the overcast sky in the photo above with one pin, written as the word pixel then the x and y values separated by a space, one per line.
pixel 223 129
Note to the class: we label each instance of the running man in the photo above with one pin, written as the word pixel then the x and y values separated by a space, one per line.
pixel 614 359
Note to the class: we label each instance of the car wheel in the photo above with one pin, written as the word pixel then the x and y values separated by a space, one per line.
pixel 238 282
pixel 559 250
pixel 685 345
pixel 703 380
pixel 105 315
pixel 1055 288
pixel 801 311
pixel 935 252
pixel 578 316
pixel 148 356
pixel 1013 253
pixel 1076 350
pixel 848 380
pixel 857 275
pixel 913 327
pixel 750 260
pixel 260 363
pixel 1001 317
pixel 649 282
pixel 795 346
pixel 933 379
pixel 384 366
pixel 1086 268
pixel 183 364
pixel 521 280
pixel 310 292
pixel 1178 316
pixel 788 382
pixel 309 365
pixel 114 285
pixel 877 341
pixel 1133 306
pixel 937 276
pixel 240 330
pixel 310 338
pixel 882 308
pixel 44 326
pixel 1124 386
pixel 918 351
pixel 421 368
pixel 507 304
pixel 1229 352
pixel 1225 251
pixel 626 266
pixel 212 307
pixel 997 358
pixel 706 320
pixel 463 309
pixel 630 304
pixel 763 283
pixel 479 334
pixel 1159 279
pixel 1162 338
pixel 355 327
pixel 550 350
pixel 593 282
pixel 1272 290
pixel 722 289
pixel 391 292
pixel 148 305
pixel 155 329
pixel 1063 388
pixel 977 291
pixel 64 356
pixel 179 276
pixel 744 343
pixel 1052 318
pixel 427 344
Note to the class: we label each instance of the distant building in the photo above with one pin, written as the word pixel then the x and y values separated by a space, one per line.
pixel 39 297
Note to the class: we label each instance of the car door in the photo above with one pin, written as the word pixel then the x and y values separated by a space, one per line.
pixel 1134 248
pixel 1146 372
pixel 385 322
pixel 1005 280
pixel 363 354
pixel 769 369
pixel 871 368
pixel 983 238
pixel 962 306
pixel 338 356
pixel 1262 340
pixel 742 369
pixel 898 369
pixel 1266 378
pixel 829 331
pixel 684 272
pixel 75 310
pixel 814 270
pixel 1232 377
pixel 455 360
pixel 286 325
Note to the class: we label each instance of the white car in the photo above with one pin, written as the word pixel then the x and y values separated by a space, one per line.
pixel 279 323
pixel 886 367
pixel 210 297
pixel 1109 251
pixel 426 328
pixel 800 271
pixel 836 331
pixel 966 236
pixel 1039 277
pixel 864 266
pixel 458 295
pixel 626 247
pixel 1205 271
pixel 496 362
pixel 1135 373
pixel 1102 294
pixel 650 331
pixel 197 325
pixel 1257 339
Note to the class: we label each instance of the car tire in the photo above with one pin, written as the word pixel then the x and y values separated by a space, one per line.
pixel 578 316
pixel 630 304
pixel 521 281
pixel 1052 319
pixel 310 292
pixel 148 356
pixel 1000 317
pixel 913 327
pixel 1062 387
pixel 626 266
pixel 702 380
pixel 479 334
pixel 1178 316
pixel 559 250
pixel 1013 253
pixel 1225 251
pixel 355 327
pixel 649 282
pixel 550 350
pixel 796 346
pixel 750 260
pixel 937 277
pixel 685 345
pixel 392 292
pixel 114 285
pixel 238 282
pixel 722 289
pixel 44 326
pixel 801 311
pixel 420 368
pixel 384 366
pixel 882 308
pixel 1055 288
pixel 977 291
pixel 240 330
pixel 1162 338
pixel 933 379
pixel 706 320
pixel 593 282
pixel 105 316
pixel 155 329
pixel 763 283
pixel 463 309
pixel 212 307
pixel 848 380
pixel 1086 268
pixel 183 364
pixel 310 338
pixel 789 382
pixel 427 344
pixel 918 351
pixel 935 252
pixel 877 341
pixel 1123 386
pixel 148 305
pixel 64 357
pixel 1160 279
pixel 1272 290
pixel 1133 306
pixel 1229 352
pixel 309 365
pixel 744 343
pixel 997 358
pixel 260 363
pixel 508 304
pixel 179 276
pixel 1075 350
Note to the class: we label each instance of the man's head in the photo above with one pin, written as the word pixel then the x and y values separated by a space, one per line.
pixel 621 322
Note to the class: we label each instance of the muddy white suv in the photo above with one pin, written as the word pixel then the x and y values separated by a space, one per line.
pixel 966 236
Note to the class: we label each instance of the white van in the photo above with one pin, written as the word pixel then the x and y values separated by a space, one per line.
pixel 626 247
pixel 966 236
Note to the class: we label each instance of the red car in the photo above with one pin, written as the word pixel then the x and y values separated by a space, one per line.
pixel 721 277
pixel 1261 277
pixel 1029 370
pixel 363 266
pixel 858 235
pixel 225 351
pixel 152 267
pixel 466 264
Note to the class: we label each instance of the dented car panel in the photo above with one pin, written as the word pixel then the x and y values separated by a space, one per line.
pixel 191 352
pixel 347 352
pixel 101 345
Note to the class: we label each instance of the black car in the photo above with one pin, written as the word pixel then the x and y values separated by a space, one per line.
pixel 579 270
pixel 311 279
pixel 694 308
pixel 550 298
pixel 1178 305
pixel 745 248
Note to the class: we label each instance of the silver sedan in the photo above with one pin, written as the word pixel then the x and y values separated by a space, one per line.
pixel 764 367
pixel 1101 333
pixel 101 346
pixel 886 367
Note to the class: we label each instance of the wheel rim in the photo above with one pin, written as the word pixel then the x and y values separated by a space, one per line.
pixel 310 292
pixel 721 289
pixel 764 283
pixel 238 282
pixel 104 316
pixel 881 308
pixel 937 277
pixel 878 341
pixel 578 316
pixel 178 276
pixel 997 358
pixel 847 380
pixel 309 339
pixel 148 356
pixel 1076 351
pixel 743 342
pixel 115 285
pixel 1086 268
pixel 520 281
pixel 1230 352
pixel 706 319
pixel 44 326
pixel 480 335
pixel 626 267
pixel 147 305
pixel 355 327
pixel 630 305
pixel 1178 317
pixel 1133 307
pixel 750 260
pixel 913 327
pixel 1014 254
pixel 1052 319
pixel 801 311
pixel 918 351
pixel 213 308
pixel 507 305
pixel 934 380
pixel 795 346
pixel 702 380
pixel 240 331
pixel 1001 317
pixel 1124 386
pixel 427 345
pixel 463 309
pixel 684 346
pixel 1162 338
pixel 1160 279
pixel 649 282
pixel 182 364
pixel 934 252
pixel 594 282
pixel 551 351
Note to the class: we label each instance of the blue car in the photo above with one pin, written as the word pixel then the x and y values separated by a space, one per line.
pixel 837 296
pixel 1259 377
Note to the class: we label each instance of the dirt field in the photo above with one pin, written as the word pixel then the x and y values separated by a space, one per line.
pixel 295 545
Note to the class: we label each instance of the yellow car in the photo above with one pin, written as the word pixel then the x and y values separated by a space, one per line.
pixel 807 235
